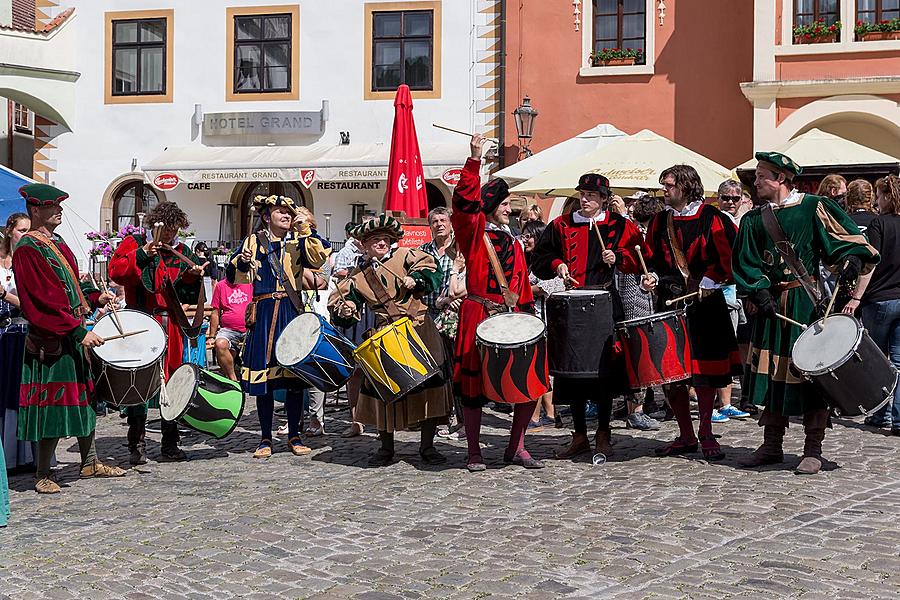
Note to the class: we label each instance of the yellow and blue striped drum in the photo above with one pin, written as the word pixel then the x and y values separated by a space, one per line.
pixel 396 360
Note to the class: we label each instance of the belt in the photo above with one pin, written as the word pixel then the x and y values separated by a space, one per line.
pixel 160 312
pixel 783 287
pixel 276 295
pixel 490 305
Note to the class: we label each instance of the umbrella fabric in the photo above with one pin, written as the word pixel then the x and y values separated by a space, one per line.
pixel 631 163
pixel 405 180
pixel 817 148
pixel 11 200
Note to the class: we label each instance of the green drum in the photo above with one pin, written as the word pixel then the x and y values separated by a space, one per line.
pixel 202 400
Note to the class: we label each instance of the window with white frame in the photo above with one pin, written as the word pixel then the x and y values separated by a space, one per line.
pixel 21 118
pixel 877 11
pixel 620 24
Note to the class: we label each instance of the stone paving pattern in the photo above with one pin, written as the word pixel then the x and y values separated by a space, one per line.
pixel 224 525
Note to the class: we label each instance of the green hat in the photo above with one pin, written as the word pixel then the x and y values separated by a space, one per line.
pixel 383 225
pixel 41 194
pixel 261 202
pixel 781 162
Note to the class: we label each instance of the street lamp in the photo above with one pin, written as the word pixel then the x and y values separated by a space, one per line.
pixel 525 115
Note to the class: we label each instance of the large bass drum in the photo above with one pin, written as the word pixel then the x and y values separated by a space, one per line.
pixel 127 371
pixel 656 348
pixel 580 333
pixel 202 400
pixel 843 362
pixel 513 350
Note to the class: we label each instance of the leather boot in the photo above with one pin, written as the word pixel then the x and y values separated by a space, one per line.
pixel 603 443
pixel 770 452
pixel 136 445
pixel 814 423
pixel 169 450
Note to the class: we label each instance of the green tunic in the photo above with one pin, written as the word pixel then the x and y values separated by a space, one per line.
pixel 819 230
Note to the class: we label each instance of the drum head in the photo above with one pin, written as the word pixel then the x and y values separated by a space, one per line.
pixel 133 351
pixel 509 329
pixel 580 293
pixel 822 347
pixel 660 316
pixel 180 389
pixel 298 339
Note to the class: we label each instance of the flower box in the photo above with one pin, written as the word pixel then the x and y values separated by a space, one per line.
pixel 822 39
pixel 615 62
pixel 878 36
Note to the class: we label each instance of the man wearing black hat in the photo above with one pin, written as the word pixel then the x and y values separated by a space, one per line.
pixel 584 248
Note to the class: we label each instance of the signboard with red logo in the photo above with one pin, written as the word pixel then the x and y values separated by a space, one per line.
pixel 451 176
pixel 415 235
pixel 166 181
pixel 307 176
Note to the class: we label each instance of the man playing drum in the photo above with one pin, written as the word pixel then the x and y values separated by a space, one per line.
pixel 391 283
pixel 273 260
pixel 56 393
pixel 584 248
pixel 145 266
pixel 817 229
pixel 689 252
pixel 479 213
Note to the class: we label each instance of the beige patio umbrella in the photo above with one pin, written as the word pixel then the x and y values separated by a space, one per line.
pixel 632 163
pixel 817 148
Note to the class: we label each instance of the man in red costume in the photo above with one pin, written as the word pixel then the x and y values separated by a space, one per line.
pixel 571 248
pixel 144 266
pixel 478 211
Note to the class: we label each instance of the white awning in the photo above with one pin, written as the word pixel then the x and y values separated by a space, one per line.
pixel 317 162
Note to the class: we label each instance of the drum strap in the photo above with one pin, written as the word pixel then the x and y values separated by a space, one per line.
pixel 675 245
pixel 786 250
pixel 510 298
pixel 190 328
pixel 278 270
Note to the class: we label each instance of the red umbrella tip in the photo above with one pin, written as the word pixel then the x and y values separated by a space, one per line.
pixel 403 97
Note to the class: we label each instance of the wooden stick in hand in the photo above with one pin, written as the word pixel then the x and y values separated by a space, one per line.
pixel 833 298
pixel 124 335
pixel 599 237
pixel 641 258
pixel 466 133
pixel 680 298
pixel 791 321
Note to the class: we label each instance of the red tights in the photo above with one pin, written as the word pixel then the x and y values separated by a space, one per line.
pixel 521 416
pixel 681 406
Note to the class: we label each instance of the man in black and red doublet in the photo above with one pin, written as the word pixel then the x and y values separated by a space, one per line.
pixel 478 211
pixel 570 247
pixel 697 260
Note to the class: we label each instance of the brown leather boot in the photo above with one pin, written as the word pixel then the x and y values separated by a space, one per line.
pixel 603 443
pixel 814 423
pixel 136 445
pixel 770 452
pixel 580 445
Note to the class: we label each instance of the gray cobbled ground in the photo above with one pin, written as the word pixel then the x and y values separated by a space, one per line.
pixel 224 525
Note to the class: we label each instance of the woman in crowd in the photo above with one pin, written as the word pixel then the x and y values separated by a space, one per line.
pixel 878 293
pixel 835 187
pixel 859 203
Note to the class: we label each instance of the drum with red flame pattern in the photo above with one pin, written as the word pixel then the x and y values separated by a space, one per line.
pixel 656 349
pixel 513 357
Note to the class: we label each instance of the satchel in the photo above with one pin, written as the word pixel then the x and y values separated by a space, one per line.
pixel 43 346
pixel 250 314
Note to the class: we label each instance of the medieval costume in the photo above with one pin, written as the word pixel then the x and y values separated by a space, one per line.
pixel 379 285
pixel 575 240
pixel 13 328
pixel 817 229
pixel 485 297
pixel 690 251
pixel 276 262
pixel 158 285
pixel 56 395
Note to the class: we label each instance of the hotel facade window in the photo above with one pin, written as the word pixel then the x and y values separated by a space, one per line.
pixel 130 200
pixel 21 118
pixel 620 24
pixel 402 50
pixel 876 11
pixel 139 57
pixel 262 53
pixel 807 12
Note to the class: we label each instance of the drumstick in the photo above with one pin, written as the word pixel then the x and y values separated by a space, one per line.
pixel 641 258
pixel 680 298
pixel 791 321
pixel 388 269
pixel 573 280
pixel 599 237
pixel 124 335
pixel 460 132
pixel 112 307
pixel 337 286
pixel 833 298
pixel 178 254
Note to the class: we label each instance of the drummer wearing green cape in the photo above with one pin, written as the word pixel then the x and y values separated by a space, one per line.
pixel 817 229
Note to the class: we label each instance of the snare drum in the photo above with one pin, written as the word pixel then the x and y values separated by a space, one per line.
pixel 396 360
pixel 127 371
pixel 202 400
pixel 656 349
pixel 843 362
pixel 312 349
pixel 513 350
pixel 580 329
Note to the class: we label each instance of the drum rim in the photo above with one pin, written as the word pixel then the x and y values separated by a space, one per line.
pixel 860 332
pixel 657 316
pixel 196 371
pixel 584 292
pixel 311 350
pixel 164 346
pixel 543 334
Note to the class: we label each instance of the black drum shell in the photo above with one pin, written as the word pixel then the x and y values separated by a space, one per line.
pixel 580 334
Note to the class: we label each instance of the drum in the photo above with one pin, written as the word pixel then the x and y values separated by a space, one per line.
pixel 396 360
pixel 202 400
pixel 127 371
pixel 580 331
pixel 513 350
pixel 312 349
pixel 843 362
pixel 656 349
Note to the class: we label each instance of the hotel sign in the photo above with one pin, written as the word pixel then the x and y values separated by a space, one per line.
pixel 264 123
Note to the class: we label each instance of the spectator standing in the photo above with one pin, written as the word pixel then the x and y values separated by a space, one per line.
pixel 835 187
pixel 859 203
pixel 227 323
pixel 441 241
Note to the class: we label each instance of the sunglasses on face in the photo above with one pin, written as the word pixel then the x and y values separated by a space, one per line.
pixel 730 198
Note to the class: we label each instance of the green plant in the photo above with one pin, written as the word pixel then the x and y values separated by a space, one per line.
pixel 887 26
pixel 608 54
pixel 816 29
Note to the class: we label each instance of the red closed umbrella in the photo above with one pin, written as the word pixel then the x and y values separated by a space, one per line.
pixel 405 180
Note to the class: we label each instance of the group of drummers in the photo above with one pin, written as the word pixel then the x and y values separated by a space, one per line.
pixel 406 373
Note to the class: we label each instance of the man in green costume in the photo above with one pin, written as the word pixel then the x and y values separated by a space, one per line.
pixel 56 394
pixel 817 229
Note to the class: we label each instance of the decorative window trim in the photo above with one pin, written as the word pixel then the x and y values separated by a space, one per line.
pixel 587 45
pixel 243 11
pixel 373 7
pixel 847 44
pixel 169 15
pixel 28 127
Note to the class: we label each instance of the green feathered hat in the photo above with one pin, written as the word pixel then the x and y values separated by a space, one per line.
pixel 41 194
pixel 383 225
pixel 781 162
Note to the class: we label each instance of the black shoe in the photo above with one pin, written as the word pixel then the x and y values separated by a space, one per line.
pixel 432 457
pixel 175 454
pixel 382 458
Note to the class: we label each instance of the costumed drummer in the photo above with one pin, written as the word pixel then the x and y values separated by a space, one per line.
pixel 274 259
pixel 158 281
pixel 817 229
pixel 689 252
pixel 479 212
pixel 571 248
pixel 391 283
pixel 56 395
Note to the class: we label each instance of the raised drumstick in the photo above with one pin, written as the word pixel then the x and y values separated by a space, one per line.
pixel 641 258
pixel 459 131
pixel 680 298
pixel 791 321
pixel 599 237
pixel 124 335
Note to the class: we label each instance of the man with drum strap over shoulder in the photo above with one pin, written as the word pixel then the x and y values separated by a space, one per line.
pixel 150 268
pixel 273 259
pixel 480 220
pixel 56 394
pixel 777 280
pixel 689 252
pixel 584 248
pixel 391 283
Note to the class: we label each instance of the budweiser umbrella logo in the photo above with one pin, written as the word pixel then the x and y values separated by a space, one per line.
pixel 405 166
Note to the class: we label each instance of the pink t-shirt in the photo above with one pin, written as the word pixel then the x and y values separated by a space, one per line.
pixel 232 301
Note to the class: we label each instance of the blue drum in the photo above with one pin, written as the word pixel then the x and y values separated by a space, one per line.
pixel 313 350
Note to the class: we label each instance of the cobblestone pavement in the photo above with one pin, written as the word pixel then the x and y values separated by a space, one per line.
pixel 227 526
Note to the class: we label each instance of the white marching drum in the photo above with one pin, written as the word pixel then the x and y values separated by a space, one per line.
pixel 127 370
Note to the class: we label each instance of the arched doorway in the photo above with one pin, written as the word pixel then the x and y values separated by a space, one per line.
pixel 435 196
pixel 130 200
pixel 290 189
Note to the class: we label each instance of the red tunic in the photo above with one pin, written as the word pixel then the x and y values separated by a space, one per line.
pixel 469 227
pixel 143 276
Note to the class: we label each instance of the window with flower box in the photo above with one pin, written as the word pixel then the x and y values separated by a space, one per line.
pixel 877 20
pixel 817 21
pixel 619 30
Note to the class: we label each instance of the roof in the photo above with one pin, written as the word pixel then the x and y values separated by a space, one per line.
pixel 817 148
pixel 20 22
